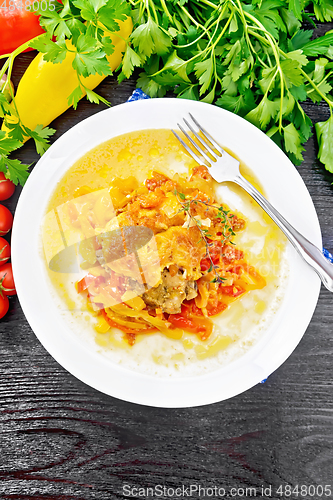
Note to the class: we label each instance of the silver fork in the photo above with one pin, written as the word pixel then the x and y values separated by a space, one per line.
pixel 226 168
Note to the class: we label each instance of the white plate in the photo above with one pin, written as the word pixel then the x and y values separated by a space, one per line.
pixel 284 188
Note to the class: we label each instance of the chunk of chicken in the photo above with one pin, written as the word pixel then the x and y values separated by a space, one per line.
pixel 171 293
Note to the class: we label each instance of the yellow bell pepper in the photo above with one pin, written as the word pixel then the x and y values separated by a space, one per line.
pixel 44 88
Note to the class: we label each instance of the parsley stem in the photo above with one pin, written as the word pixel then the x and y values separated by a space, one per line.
pixel 208 47
pixel 154 11
pixel 15 53
pixel 276 52
pixel 198 25
pixel 301 110
pixel 165 8
pixel 205 30
pixel 209 4
pixel 247 33
pixel 270 83
pixel 246 27
pixel 316 88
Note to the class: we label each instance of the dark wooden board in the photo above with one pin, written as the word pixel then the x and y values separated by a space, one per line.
pixel 62 440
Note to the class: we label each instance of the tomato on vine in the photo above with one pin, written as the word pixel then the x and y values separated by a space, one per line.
pixel 6 220
pixel 18 24
pixel 7 187
pixel 7 285
pixel 4 251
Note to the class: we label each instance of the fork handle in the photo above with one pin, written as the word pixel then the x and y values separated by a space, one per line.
pixel 309 252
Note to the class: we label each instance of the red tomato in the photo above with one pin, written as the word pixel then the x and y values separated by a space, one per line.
pixel 4 305
pixel 17 25
pixel 6 220
pixel 194 325
pixel 206 264
pixel 232 291
pixel 215 254
pixel 7 285
pixel 4 251
pixel 190 309
pixel 216 309
pixel 7 187
pixel 231 253
pixel 88 280
pixel 189 324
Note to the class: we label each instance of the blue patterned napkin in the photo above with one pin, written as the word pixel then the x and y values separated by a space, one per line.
pixel 138 95
pixel 328 255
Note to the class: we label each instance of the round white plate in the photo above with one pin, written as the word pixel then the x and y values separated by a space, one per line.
pixel 284 188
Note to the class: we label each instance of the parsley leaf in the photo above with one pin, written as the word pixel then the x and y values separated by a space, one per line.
pixel 130 60
pixel 240 104
pixel 5 107
pixel 204 72
pixel 112 11
pixel 318 46
pixel 90 59
pixel 75 96
pixel 8 145
pixel 324 131
pixel 292 141
pixel 301 38
pixel 149 38
pixel 41 135
pixel 262 114
pixel 55 52
pixel 14 170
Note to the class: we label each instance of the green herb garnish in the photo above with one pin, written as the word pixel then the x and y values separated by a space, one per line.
pixel 224 226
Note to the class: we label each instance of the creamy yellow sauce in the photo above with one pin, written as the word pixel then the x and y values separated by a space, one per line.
pixel 138 154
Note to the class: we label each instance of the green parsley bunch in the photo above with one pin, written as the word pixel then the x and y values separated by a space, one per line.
pixel 249 57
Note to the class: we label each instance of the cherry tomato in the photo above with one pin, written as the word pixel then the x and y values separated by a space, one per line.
pixel 7 285
pixel 4 251
pixel 17 26
pixel 6 220
pixel 7 187
pixel 4 305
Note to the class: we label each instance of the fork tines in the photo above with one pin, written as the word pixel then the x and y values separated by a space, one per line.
pixel 209 145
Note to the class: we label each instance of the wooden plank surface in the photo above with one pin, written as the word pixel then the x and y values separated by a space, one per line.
pixel 62 440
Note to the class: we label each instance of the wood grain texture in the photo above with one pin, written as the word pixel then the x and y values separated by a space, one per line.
pixel 62 440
